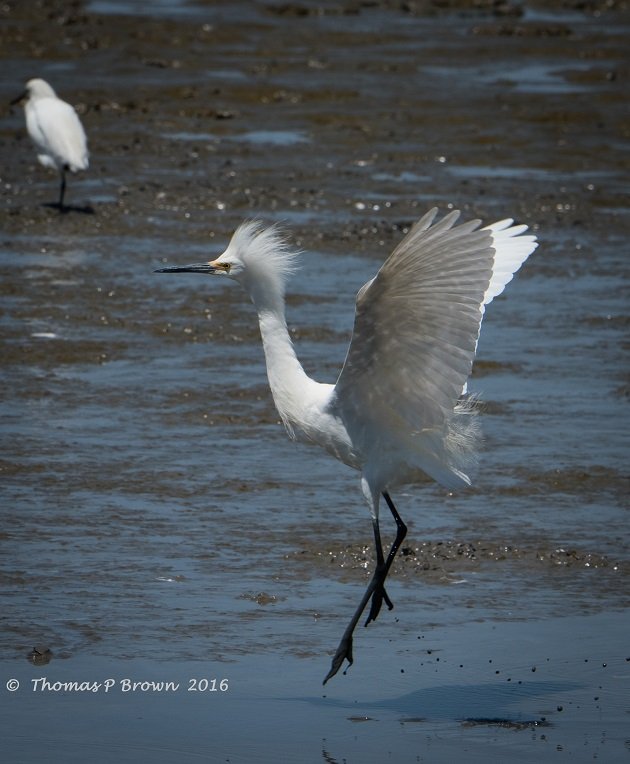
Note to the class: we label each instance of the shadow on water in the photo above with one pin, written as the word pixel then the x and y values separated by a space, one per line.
pixel 477 703
pixel 67 208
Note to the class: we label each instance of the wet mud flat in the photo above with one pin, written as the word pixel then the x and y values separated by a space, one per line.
pixel 157 523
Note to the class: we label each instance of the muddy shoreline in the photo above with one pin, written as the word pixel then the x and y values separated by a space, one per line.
pixel 311 114
pixel 172 107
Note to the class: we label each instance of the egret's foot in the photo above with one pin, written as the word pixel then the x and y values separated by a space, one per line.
pixel 378 597
pixel 344 653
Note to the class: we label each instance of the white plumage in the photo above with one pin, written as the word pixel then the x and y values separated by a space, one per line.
pixel 398 412
pixel 56 131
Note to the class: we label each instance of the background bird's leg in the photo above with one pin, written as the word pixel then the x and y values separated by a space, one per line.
pixel 62 188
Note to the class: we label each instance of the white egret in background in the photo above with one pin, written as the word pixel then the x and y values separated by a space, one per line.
pixel 399 412
pixel 56 131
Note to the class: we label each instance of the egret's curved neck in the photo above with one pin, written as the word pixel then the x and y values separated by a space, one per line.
pixel 287 378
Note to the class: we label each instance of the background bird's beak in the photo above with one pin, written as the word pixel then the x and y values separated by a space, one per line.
pixel 193 268
pixel 20 98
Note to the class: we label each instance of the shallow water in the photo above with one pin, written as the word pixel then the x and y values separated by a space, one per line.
pixel 532 705
pixel 158 524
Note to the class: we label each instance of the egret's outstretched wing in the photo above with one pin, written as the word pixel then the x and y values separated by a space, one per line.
pixel 415 334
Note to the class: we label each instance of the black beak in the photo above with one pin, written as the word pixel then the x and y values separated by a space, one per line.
pixel 193 268
pixel 17 100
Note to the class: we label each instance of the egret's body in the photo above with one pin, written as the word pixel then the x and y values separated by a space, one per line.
pixel 398 412
pixel 56 131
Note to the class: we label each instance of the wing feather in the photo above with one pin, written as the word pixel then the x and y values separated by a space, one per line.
pixel 414 339
pixel 416 324
pixel 58 131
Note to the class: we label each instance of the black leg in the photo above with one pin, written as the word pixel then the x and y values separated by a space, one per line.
pixel 380 573
pixel 344 651
pixel 375 590
pixel 62 189
pixel 401 532
pixel 382 567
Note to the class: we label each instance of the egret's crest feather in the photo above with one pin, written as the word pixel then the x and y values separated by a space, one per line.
pixel 265 252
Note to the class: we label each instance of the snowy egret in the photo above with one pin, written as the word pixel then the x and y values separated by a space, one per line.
pixel 399 412
pixel 56 131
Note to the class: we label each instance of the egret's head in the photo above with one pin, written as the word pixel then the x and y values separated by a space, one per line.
pixel 35 88
pixel 258 258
